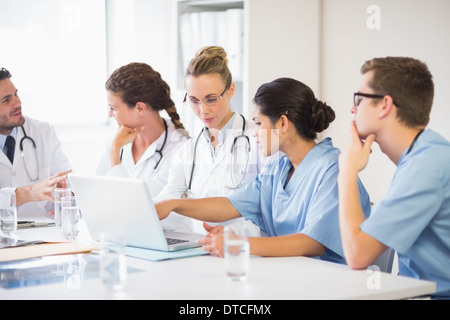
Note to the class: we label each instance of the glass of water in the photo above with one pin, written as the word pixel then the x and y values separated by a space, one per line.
pixel 236 251
pixel 58 194
pixel 113 264
pixel 68 201
pixel 70 222
pixel 8 212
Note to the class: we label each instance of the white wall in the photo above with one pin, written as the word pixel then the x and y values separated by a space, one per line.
pixel 415 28
pixel 146 39
pixel 282 39
pixel 142 31
pixel 321 42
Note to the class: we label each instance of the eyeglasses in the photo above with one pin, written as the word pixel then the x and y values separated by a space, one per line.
pixel 210 101
pixel 357 97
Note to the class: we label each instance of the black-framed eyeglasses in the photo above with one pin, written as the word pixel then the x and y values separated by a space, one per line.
pixel 357 97
pixel 210 101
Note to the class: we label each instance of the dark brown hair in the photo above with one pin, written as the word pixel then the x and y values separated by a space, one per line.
pixel 138 82
pixel 295 100
pixel 4 74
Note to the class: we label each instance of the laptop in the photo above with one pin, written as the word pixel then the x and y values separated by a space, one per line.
pixel 113 205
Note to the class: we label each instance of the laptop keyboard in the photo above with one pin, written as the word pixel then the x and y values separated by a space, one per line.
pixel 174 241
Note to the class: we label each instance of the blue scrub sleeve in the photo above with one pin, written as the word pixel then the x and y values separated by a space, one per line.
pixel 322 221
pixel 247 201
pixel 412 200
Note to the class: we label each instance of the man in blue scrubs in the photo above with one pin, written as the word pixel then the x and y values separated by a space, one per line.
pixel 392 108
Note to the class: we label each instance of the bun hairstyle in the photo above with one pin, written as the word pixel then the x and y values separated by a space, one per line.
pixel 295 100
pixel 138 82
pixel 210 59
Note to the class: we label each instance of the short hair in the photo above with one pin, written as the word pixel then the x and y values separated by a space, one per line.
pixel 4 74
pixel 410 84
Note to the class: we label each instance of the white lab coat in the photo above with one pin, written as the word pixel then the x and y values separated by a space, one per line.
pixel 145 168
pixel 51 160
pixel 211 176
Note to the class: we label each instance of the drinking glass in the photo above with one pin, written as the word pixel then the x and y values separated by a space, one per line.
pixel 8 212
pixel 113 264
pixel 236 251
pixel 58 194
pixel 68 201
pixel 70 222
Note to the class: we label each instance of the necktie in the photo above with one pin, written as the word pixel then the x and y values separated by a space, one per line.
pixel 10 147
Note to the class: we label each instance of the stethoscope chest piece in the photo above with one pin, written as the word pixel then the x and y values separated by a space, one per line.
pixel 187 195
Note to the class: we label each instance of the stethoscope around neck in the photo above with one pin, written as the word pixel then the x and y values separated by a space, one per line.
pixel 235 185
pixel 158 151
pixel 21 144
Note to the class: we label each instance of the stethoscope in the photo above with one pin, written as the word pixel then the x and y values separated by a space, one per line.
pixel 188 194
pixel 25 137
pixel 159 151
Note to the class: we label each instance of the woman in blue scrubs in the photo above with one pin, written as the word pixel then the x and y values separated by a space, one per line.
pixel 295 200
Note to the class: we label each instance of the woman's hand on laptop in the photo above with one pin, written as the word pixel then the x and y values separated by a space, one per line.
pixel 213 242
pixel 163 208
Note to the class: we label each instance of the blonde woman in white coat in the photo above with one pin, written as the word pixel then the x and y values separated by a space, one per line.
pixel 223 156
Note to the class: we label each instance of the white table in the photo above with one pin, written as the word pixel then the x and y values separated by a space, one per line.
pixel 203 278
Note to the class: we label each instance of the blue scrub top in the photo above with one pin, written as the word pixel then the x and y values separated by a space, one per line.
pixel 414 217
pixel 308 204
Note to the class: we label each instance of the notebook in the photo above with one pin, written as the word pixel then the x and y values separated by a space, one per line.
pixel 122 205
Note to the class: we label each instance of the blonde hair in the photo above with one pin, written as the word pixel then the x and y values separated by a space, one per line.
pixel 210 59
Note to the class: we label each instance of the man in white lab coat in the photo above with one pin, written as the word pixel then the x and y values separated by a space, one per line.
pixel 31 162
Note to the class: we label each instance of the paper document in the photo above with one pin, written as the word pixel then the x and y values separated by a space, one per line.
pixel 44 249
